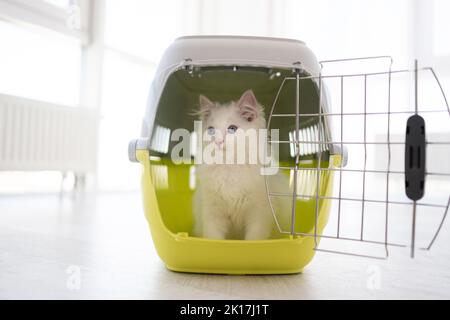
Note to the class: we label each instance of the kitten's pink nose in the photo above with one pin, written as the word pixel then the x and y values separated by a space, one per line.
pixel 219 143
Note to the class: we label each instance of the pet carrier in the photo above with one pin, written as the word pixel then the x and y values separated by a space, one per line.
pixel 289 83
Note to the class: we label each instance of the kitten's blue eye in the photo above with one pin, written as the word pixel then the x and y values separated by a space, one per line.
pixel 211 131
pixel 232 129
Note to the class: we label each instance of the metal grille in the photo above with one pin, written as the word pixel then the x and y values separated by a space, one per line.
pixel 319 140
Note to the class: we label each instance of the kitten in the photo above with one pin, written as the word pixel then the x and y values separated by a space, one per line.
pixel 231 201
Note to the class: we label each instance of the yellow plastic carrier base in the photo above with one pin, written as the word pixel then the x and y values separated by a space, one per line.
pixel 222 68
pixel 180 252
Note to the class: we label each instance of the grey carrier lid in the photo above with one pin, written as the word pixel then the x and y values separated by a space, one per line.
pixel 226 50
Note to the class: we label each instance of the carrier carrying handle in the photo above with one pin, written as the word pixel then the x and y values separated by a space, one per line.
pixel 415 157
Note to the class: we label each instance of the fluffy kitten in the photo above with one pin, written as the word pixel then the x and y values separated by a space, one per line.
pixel 231 200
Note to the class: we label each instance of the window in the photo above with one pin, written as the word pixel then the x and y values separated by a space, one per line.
pixel 63 4
pixel 152 26
pixel 70 17
pixel 124 94
pixel 39 64
pixel 131 50
pixel 441 28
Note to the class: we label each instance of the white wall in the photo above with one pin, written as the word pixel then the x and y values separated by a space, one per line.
pixel 134 33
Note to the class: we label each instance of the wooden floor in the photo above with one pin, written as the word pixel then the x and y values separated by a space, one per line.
pixel 45 242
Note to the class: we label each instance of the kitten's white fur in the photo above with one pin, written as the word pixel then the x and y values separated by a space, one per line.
pixel 231 200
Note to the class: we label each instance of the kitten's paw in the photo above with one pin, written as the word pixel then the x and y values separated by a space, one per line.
pixel 257 233
pixel 215 236
pixel 213 233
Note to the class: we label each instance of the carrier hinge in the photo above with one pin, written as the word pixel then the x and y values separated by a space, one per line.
pixel 297 68
pixel 188 65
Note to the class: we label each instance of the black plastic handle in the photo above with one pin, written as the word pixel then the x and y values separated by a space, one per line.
pixel 415 157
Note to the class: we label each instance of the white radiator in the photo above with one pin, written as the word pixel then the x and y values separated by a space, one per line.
pixel 36 135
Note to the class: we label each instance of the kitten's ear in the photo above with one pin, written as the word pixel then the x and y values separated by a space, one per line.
pixel 249 106
pixel 205 106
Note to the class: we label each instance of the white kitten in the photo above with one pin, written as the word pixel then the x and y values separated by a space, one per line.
pixel 231 200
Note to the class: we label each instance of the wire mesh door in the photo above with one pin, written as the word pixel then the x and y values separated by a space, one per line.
pixel 384 147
